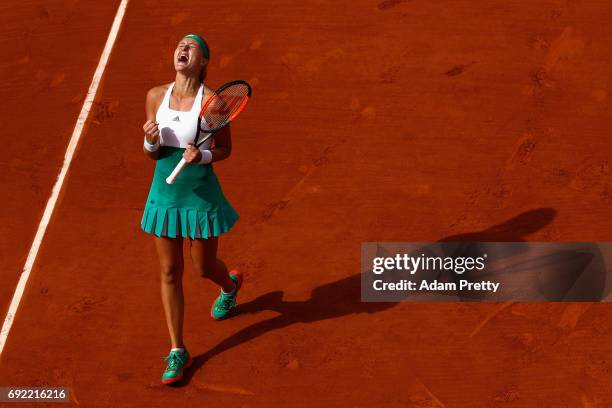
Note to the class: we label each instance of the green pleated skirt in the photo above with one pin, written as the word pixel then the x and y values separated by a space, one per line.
pixel 193 206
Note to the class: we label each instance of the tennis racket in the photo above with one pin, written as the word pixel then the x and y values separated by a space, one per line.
pixel 218 111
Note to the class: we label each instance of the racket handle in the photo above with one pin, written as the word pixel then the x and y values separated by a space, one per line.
pixel 176 171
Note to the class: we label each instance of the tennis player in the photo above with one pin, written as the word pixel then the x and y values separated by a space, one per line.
pixel 193 206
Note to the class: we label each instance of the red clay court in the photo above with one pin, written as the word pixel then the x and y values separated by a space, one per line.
pixel 382 120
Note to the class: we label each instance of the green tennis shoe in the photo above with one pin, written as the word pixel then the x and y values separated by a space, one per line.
pixel 177 363
pixel 223 305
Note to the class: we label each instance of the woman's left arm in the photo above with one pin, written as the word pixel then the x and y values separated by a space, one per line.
pixel 220 150
pixel 222 146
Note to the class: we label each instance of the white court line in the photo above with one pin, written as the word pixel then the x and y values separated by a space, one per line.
pixel 74 140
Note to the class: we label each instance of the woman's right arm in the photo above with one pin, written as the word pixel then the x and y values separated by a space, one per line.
pixel 150 127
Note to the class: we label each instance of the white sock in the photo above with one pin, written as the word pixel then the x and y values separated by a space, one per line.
pixel 179 349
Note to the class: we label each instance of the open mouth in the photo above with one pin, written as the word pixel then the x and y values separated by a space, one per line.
pixel 183 58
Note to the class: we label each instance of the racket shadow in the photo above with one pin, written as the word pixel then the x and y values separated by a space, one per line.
pixel 573 272
pixel 515 229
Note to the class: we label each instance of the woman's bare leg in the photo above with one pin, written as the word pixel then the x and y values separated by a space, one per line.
pixel 207 265
pixel 170 253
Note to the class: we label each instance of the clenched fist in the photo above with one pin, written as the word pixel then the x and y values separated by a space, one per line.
pixel 151 131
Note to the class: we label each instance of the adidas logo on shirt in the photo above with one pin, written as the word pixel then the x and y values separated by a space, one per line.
pixel 176 119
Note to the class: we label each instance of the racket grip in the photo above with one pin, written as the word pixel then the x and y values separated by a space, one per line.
pixel 176 171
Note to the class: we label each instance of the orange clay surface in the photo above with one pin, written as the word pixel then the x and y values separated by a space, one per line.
pixel 371 121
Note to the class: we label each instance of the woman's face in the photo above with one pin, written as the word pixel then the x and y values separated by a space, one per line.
pixel 188 57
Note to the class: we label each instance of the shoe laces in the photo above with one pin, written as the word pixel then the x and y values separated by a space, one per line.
pixel 175 361
pixel 227 301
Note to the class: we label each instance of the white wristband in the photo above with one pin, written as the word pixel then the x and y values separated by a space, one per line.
pixel 206 156
pixel 151 147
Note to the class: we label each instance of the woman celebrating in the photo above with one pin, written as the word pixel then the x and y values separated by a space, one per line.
pixel 194 205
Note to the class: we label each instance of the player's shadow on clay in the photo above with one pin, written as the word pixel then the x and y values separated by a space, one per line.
pixel 329 301
pixel 343 297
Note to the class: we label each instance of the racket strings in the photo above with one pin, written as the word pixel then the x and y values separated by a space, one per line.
pixel 223 106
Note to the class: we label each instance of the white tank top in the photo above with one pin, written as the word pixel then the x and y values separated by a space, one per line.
pixel 178 128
